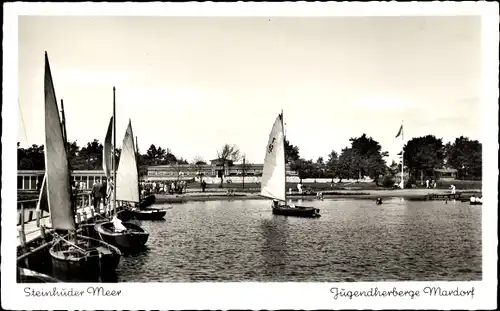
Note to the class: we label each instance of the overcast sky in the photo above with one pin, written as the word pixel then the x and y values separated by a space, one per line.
pixel 192 84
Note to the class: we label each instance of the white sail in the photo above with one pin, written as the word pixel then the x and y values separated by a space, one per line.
pixel 42 204
pixel 127 179
pixel 56 161
pixel 107 151
pixel 273 175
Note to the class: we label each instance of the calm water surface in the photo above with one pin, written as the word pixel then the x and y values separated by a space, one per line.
pixel 354 240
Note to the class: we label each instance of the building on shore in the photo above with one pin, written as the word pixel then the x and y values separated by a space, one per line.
pixel 29 180
pixel 215 169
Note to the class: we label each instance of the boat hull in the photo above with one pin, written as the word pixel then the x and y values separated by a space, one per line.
pixel 131 240
pixel 29 276
pixel 298 211
pixel 99 264
pixel 141 214
pixel 476 203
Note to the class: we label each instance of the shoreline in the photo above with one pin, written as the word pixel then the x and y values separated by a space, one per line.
pixel 409 194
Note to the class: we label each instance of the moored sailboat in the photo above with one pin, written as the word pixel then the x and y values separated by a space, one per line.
pixel 126 236
pixel 141 211
pixel 74 257
pixel 273 184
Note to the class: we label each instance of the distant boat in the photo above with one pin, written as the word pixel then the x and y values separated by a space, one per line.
pixel 75 256
pixel 476 200
pixel 273 184
pixel 125 185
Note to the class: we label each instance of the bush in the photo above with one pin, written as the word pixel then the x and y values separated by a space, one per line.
pixel 387 181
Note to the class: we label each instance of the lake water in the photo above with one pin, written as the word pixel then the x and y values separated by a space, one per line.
pixel 354 240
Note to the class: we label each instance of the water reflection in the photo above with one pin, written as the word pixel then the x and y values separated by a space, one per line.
pixel 275 249
pixel 354 240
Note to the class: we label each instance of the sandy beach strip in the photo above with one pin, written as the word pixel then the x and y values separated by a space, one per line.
pixel 351 194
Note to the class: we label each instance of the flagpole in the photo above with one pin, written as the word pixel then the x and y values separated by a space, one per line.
pixel 402 155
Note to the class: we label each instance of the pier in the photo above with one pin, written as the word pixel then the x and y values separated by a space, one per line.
pixel 33 225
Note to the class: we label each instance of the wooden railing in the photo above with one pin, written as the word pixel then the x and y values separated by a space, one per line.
pixel 83 199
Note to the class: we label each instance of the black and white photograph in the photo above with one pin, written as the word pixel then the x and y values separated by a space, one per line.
pixel 315 155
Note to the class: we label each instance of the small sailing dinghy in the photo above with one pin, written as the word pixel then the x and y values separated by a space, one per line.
pixel 141 211
pixel 273 184
pixel 476 200
pixel 77 257
pixel 126 236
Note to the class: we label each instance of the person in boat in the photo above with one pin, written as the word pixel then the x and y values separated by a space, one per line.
pixel 275 203
pixel 379 201
pixel 473 198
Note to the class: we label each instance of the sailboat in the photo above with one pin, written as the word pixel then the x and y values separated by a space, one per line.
pixel 74 256
pixel 141 211
pixel 274 175
pixel 125 185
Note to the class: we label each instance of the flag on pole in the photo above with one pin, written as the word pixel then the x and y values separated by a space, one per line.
pixel 400 132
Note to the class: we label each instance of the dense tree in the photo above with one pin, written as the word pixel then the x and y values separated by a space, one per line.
pixel 31 158
pixel 304 168
pixel 371 157
pixel 91 155
pixel 291 152
pixel 423 154
pixel 465 156
pixel 331 164
pixel 348 165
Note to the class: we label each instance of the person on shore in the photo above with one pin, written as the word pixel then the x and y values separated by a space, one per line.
pixel 427 183
pixel 203 185
pixel 74 193
pixel 104 190
pixel 452 189
pixel 96 195
pixel 299 188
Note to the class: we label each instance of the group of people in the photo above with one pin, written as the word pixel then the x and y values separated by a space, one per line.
pixel 430 183
pixel 157 187
pixel 99 192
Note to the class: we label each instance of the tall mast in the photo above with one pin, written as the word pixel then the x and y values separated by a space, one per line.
pixel 136 149
pixel 65 135
pixel 284 151
pixel 114 148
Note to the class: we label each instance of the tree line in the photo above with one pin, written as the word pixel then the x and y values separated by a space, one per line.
pixel 364 157
pixel 89 157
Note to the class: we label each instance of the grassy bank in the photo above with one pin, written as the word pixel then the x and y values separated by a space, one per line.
pixel 249 187
pixel 409 194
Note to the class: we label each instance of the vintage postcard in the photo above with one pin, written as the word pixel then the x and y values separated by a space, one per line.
pixel 250 155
